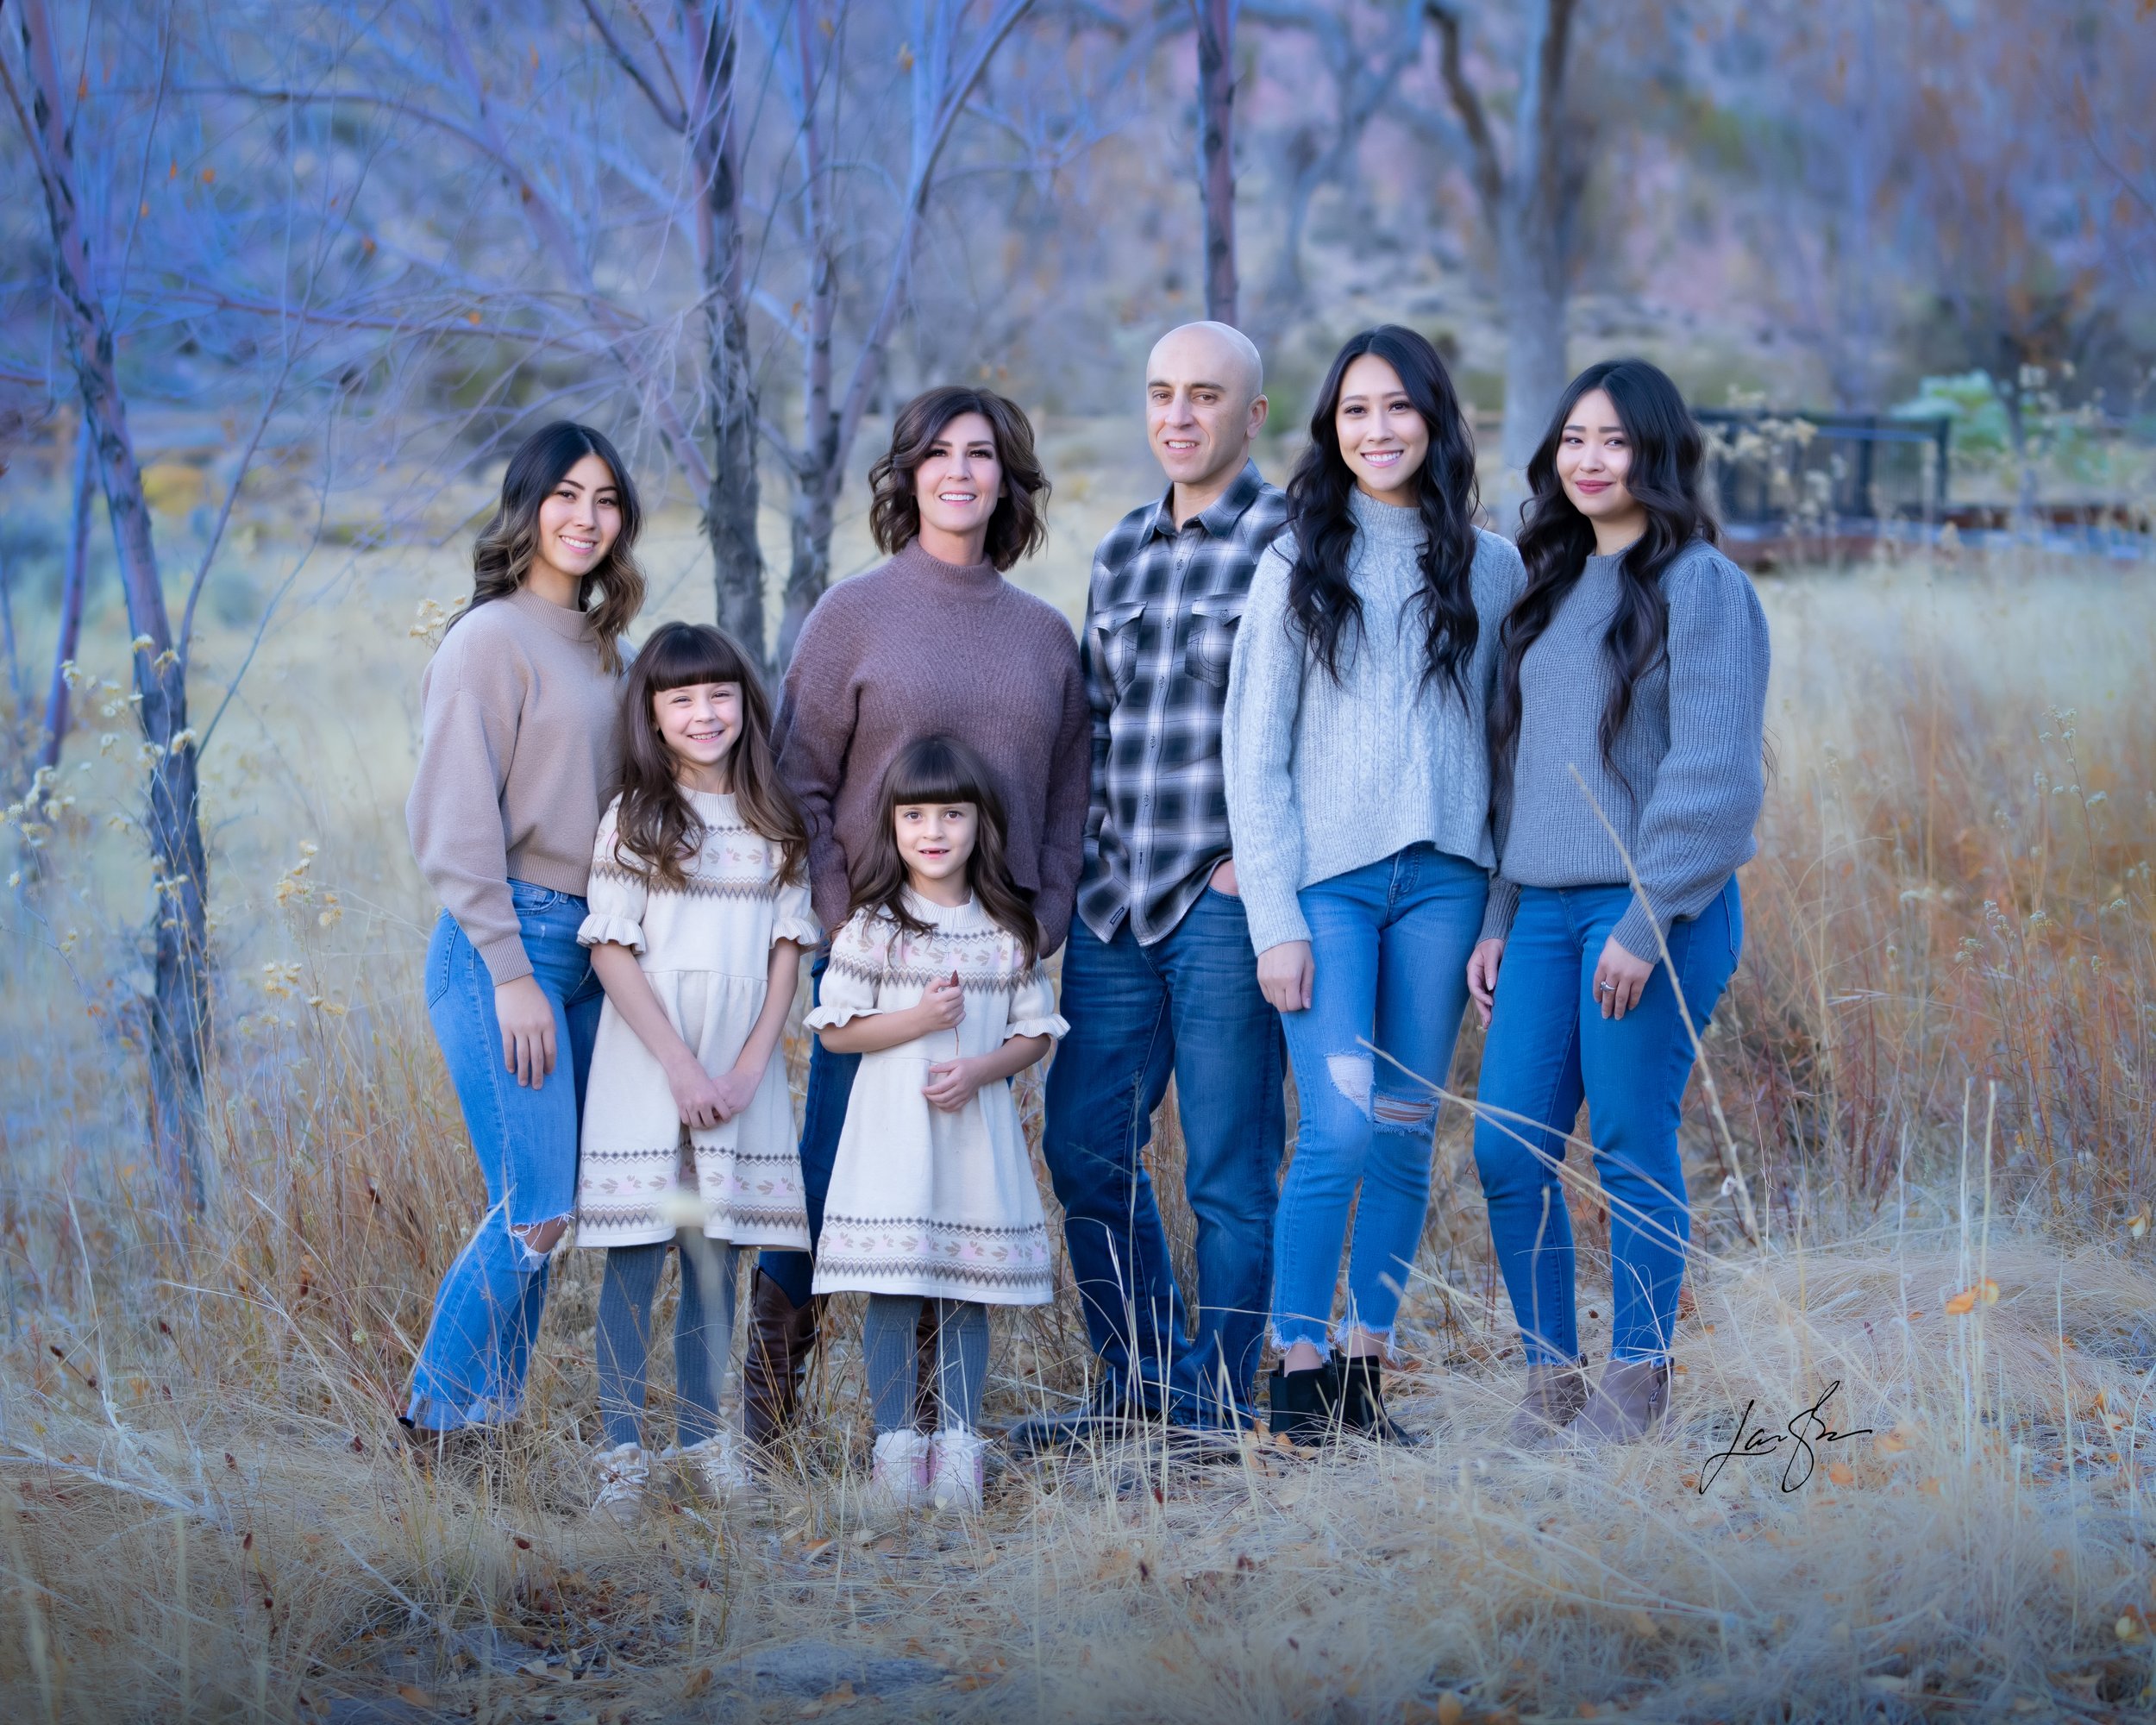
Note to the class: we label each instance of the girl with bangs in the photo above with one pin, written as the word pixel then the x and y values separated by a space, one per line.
pixel 935 983
pixel 699 913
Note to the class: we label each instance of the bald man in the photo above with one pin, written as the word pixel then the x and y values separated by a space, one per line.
pixel 1158 978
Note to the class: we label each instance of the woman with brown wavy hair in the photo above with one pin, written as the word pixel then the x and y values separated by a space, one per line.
pixel 934 641
pixel 518 717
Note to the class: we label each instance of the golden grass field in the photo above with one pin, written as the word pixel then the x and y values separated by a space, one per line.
pixel 1933 1189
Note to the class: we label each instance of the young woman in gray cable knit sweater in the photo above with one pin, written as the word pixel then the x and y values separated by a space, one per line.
pixel 1626 749
pixel 1357 790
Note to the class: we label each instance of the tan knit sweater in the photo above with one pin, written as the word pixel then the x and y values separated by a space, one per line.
pixel 518 750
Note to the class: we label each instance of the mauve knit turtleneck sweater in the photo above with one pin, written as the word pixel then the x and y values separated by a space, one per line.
pixel 920 647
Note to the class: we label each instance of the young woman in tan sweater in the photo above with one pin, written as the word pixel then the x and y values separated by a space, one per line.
pixel 517 747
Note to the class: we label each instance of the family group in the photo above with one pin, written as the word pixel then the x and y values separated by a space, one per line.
pixel 1324 768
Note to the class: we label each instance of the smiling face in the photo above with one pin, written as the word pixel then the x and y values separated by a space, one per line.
pixel 1384 440
pixel 1593 459
pixel 936 841
pixel 579 520
pixel 960 480
pixel 1202 404
pixel 699 724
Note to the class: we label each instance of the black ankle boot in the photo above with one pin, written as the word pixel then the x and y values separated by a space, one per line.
pixel 1362 1401
pixel 1305 1405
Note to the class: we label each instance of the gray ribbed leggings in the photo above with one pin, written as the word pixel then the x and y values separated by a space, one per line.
pixel 961 1359
pixel 703 1334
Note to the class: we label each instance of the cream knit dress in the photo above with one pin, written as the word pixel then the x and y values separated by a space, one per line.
pixel 706 952
pixel 922 1201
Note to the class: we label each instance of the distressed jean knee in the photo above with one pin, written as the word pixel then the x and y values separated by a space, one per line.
pixel 1353 1076
pixel 1414 1116
pixel 534 1242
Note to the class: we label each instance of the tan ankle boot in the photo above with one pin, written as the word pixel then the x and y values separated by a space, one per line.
pixel 1557 1390
pixel 1628 1403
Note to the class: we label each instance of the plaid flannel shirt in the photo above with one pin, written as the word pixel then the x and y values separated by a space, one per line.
pixel 1160 629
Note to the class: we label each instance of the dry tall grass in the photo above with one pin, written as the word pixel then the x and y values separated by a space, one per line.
pixel 1933 1065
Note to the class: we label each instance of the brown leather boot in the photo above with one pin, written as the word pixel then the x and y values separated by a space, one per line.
pixel 781 1337
pixel 1556 1392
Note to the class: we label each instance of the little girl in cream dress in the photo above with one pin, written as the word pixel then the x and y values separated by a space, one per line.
pixel 936 980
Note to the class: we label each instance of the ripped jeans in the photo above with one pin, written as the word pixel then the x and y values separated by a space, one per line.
pixel 470 1367
pixel 1389 942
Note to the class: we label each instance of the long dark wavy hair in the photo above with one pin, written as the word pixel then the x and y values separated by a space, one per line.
pixel 503 552
pixel 656 830
pixel 1321 600
pixel 1019 525
pixel 1556 540
pixel 942 769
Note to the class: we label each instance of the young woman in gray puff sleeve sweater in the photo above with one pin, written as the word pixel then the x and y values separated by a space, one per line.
pixel 1626 736
pixel 1357 792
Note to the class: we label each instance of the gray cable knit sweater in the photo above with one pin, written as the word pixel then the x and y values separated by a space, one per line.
pixel 1688 751
pixel 1322 777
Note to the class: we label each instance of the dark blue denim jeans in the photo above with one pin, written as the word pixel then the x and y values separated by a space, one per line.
pixel 1187 1008
pixel 1548 1046
pixel 470 1367
pixel 1389 944
pixel 830 1087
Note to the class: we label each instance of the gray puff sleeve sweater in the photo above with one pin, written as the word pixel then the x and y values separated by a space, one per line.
pixel 1689 779
pixel 1323 777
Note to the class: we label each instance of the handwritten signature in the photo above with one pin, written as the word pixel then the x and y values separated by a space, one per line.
pixel 1806 1429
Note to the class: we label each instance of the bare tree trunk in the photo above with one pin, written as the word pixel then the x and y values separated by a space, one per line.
pixel 179 1010
pixel 75 583
pixel 1216 152
pixel 810 520
pixel 1529 209
pixel 730 504
pixel 1536 372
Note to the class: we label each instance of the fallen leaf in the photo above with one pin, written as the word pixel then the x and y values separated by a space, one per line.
pixel 2128 1628
pixel 1962 1304
pixel 1841 1473
pixel 412 1696
pixel 1930 1488
pixel 2137 1223
pixel 696 1683
pixel 1990 1289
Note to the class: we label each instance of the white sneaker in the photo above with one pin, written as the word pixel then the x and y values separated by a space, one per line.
pixel 956 1464
pixel 622 1473
pixel 898 1480
pixel 713 1467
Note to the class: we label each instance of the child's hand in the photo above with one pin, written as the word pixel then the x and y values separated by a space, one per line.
pixel 951 1084
pixel 697 1095
pixel 943 1006
pixel 738 1088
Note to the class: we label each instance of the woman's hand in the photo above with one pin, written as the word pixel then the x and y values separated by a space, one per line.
pixel 1619 979
pixel 526 1016
pixel 952 1083
pixel 1285 974
pixel 738 1087
pixel 699 1097
pixel 1481 976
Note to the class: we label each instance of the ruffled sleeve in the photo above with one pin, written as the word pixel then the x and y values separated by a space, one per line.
pixel 615 898
pixel 1034 1007
pixel 794 916
pixel 854 978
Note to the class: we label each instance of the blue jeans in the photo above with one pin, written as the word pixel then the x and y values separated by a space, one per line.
pixel 1548 1046
pixel 470 1367
pixel 1187 1008
pixel 1389 943
pixel 830 1087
